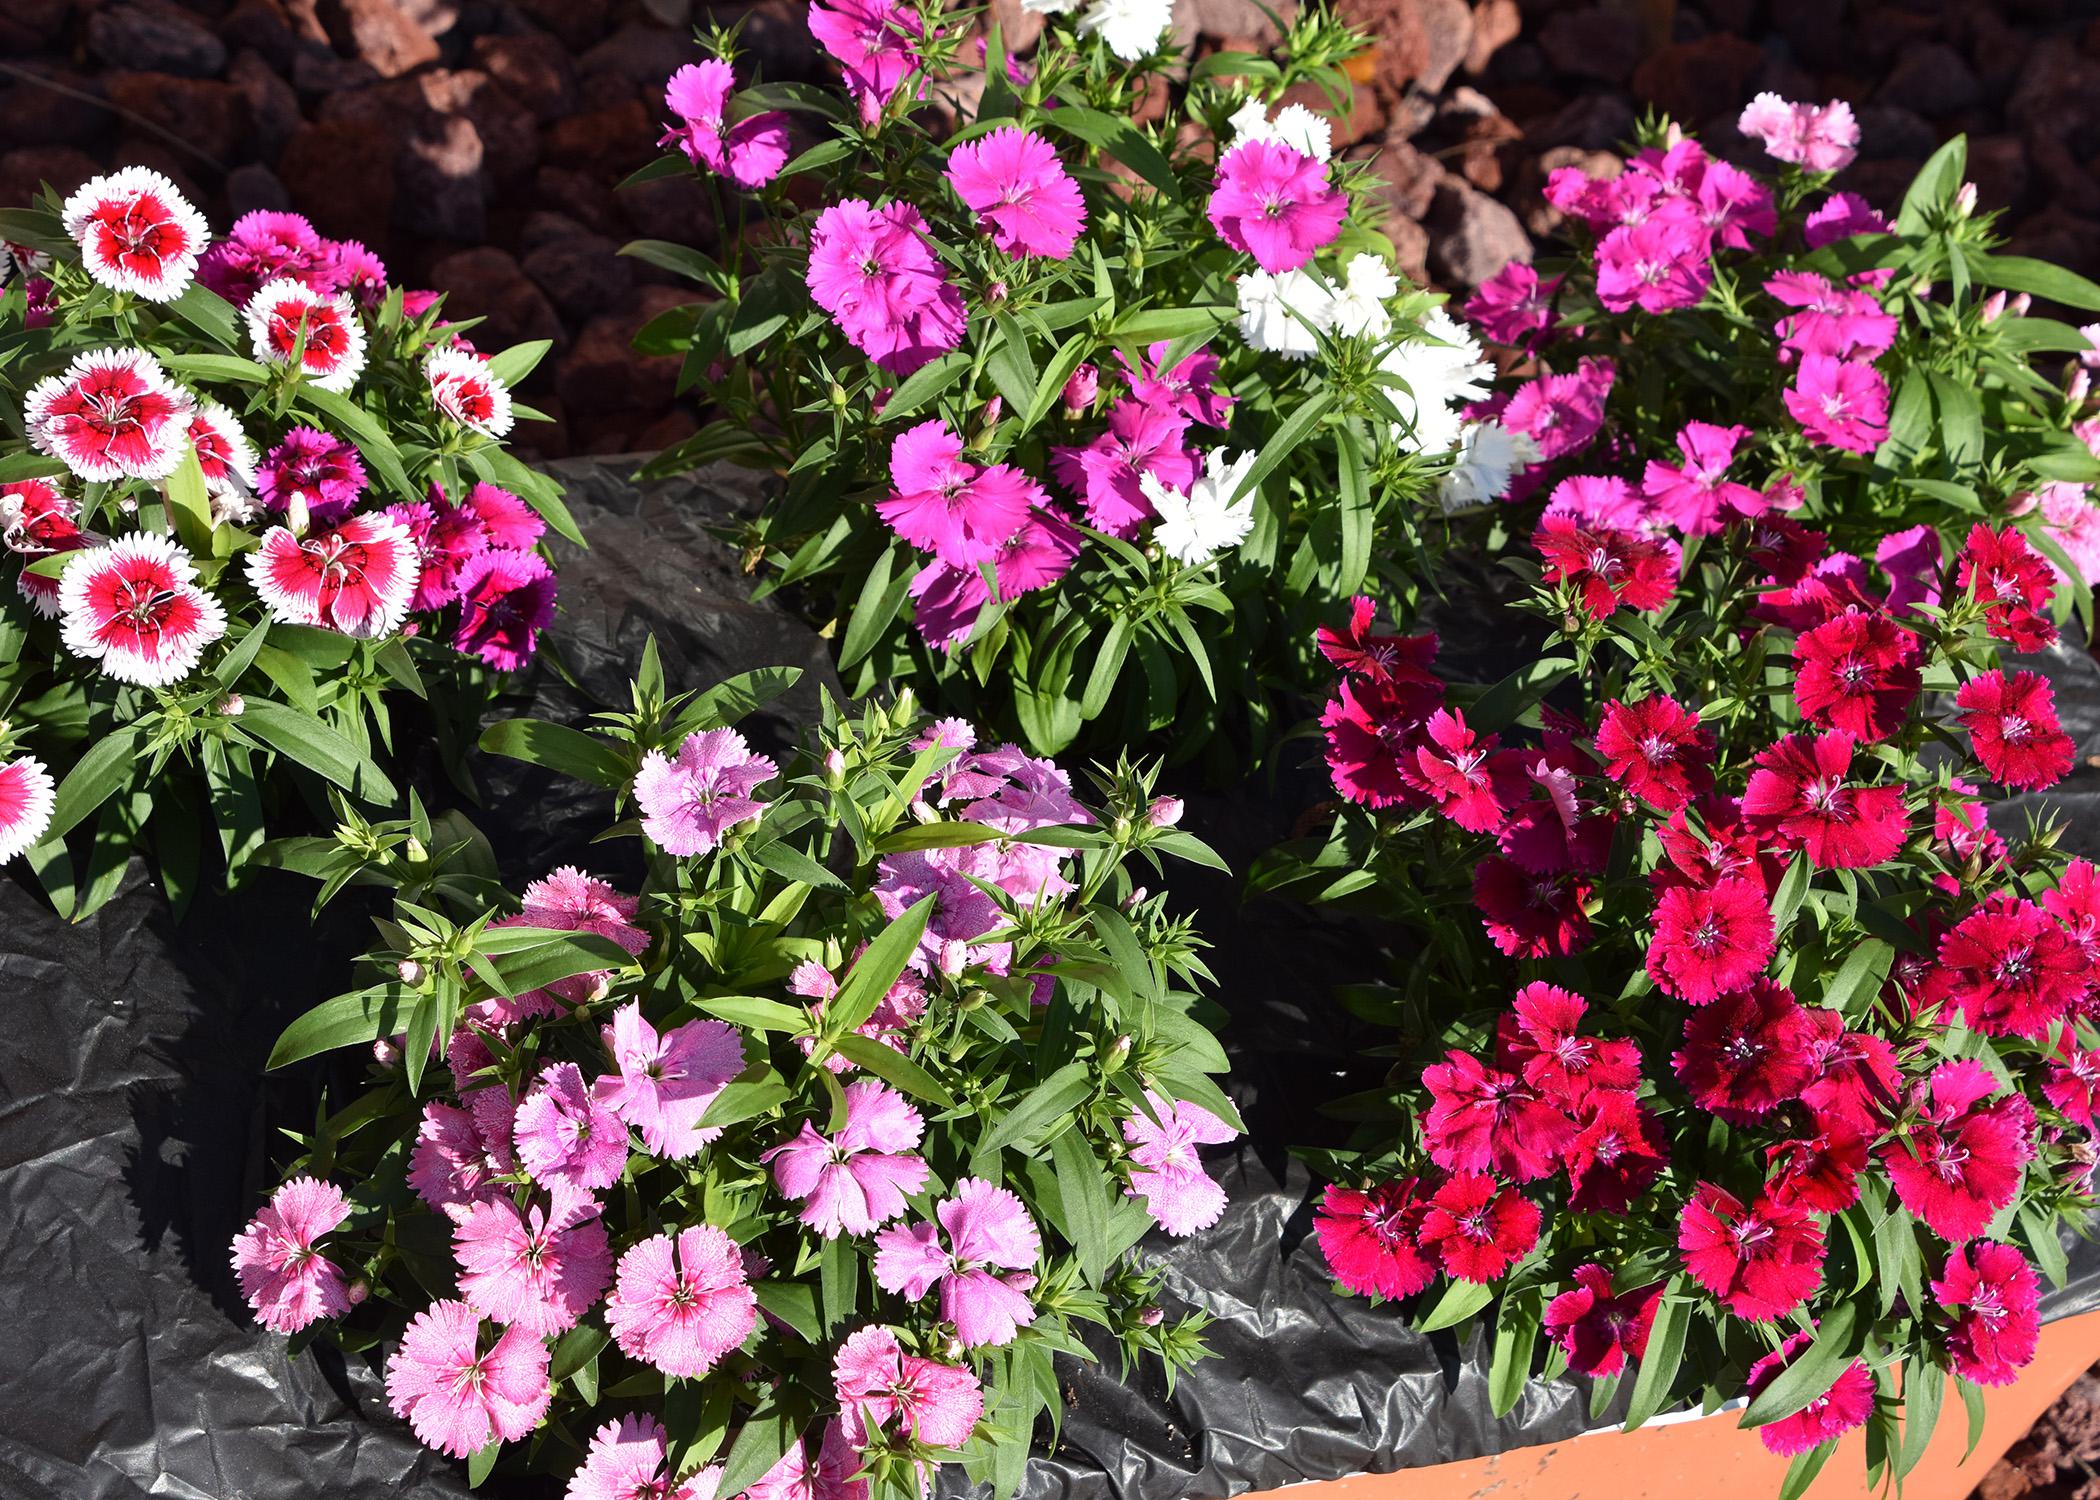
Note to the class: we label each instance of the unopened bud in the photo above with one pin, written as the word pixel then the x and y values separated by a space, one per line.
pixel 839 398
pixel 1081 389
pixel 2081 385
pixel 356 1291
pixel 2022 504
pixel 387 1052
pixel 1135 899
pixel 995 293
pixel 994 409
pixel 1965 200
pixel 601 986
pixel 410 971
pixel 413 851
pixel 1165 812
pixel 925 811
pixel 1993 308
pixel 233 705
pixel 2019 305
pixel 834 765
pixel 1924 291
pixel 1151 1316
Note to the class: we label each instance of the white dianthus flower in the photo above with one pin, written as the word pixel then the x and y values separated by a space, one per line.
pixel 1285 314
pixel 1489 457
pixel 1197 526
pixel 1130 27
pixel 1359 309
pixel 1442 369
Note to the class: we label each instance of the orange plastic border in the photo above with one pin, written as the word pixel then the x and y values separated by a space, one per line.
pixel 1714 1459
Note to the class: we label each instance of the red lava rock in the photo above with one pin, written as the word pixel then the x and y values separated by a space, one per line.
pixel 587 199
pixel 608 143
pixel 24 172
pixel 489 283
pixel 640 56
pixel 1496 23
pixel 68 113
pixel 671 208
pixel 1690 80
pixel 1592 43
pixel 273 108
pixel 27 25
pixel 261 26
pixel 1019 28
pixel 1471 235
pixel 1933 79
pixel 581 273
pixel 157 37
pixel 211 117
pixel 1420 42
pixel 1411 178
pixel 1594 122
pixel 337 180
pixel 381 33
pixel 1998 167
pixel 602 375
pixel 255 187
pixel 575 23
pixel 533 68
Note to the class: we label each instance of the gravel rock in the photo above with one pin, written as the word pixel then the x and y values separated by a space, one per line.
pixel 157 37
pixel 1472 236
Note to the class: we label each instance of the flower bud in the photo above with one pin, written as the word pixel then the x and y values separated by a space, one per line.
pixel 1993 308
pixel 386 1052
pixel 1135 899
pixel 1965 200
pixel 2019 305
pixel 601 986
pixel 834 768
pixel 356 1291
pixel 994 409
pixel 1164 812
pixel 413 851
pixel 839 398
pixel 1151 1316
pixel 925 811
pixel 1081 389
pixel 995 293
pixel 2022 504
pixel 410 971
pixel 233 705
pixel 2081 385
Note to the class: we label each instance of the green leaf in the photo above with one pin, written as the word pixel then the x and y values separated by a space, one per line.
pixel 1151 324
pixel 1813 1371
pixel 1858 979
pixel 1658 1372
pixel 539 742
pixel 1108 667
pixel 1049 1100
pixel 353 1020
pixel 679 260
pixel 482 1462
pixel 1518 693
pixel 1358 516
pixel 790 863
pixel 1793 887
pixel 736 698
pixel 1285 440
pixel 1960 421
pixel 550 963
pixel 755 1012
pixel 765 1437
pixel 325 751
pixel 1802 1472
pixel 1086 1196
pixel 575 1349
pixel 1910 423
pixel 2038 278
pixel 873 973
pixel 190 504
pixel 94 779
pixel 371 439
pixel 210 314
pixel 923 384
pixel 936 836
pixel 1924 1386
pixel 1972 1400
pixel 894 1067
pixel 1933 189
pixel 517 362
pixel 1119 137
pixel 794 1303
pixel 1460 1301
pixel 741 1101
pixel 1010 365
pixel 881 596
pixel 1516 1334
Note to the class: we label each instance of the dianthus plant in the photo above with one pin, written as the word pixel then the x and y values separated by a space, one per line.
pixel 1085 380
pixel 1740 1055
pixel 788 1170
pixel 248 490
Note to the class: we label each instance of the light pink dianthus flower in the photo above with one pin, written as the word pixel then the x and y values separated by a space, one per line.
pixel 857 1180
pixel 682 1304
pixel 667 1080
pixel 690 802
pixel 458 1396
pixel 986 1226
pixel 1167 1173
pixel 287 1281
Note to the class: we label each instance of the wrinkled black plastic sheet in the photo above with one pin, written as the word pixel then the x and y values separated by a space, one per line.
pixel 137 1132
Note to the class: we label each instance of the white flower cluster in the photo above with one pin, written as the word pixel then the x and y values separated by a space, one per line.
pixel 1131 28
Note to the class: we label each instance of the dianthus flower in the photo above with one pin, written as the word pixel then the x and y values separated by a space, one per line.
pixel 1618 1152
pixel 1429 377
pixel 136 233
pixel 1841 403
pixel 1362 652
pixel 1911 560
pixel 1275 203
pixel 1844 1406
pixel 1369 1237
pixel 1800 793
pixel 38 521
pixel 1604 502
pixel 1854 1079
pixel 1451 767
pixel 1845 323
pixel 1478 1229
pixel 947 600
pixel 1656 749
pixel 265 246
pixel 1559 413
pixel 1820 1172
pixel 357 578
pixel 1013 180
pixel 135 607
pixel 1962 1159
pixel 112 414
pixel 227 461
pixel 872 270
pixel 874 42
pixel 1600 1332
pixel 27 795
pixel 1662 263
pixel 1514 307
pixel 854 1181
pixel 682 1301
pixel 1840 217
pixel 1190 388
pixel 537 1271
pixel 2012 582
pixel 446 538
pixel 985 1226
pixel 1605 568
pixel 1991 1293
pixel 825 1474
pixel 1697 496
pixel 1167 1173
pixel 465 389
pixel 878 1384
pixel 962 915
pixel 289 320
pixel 1746 1053
pixel 1709 941
pixel 1481 1119
pixel 2012 724
pixel 666 1080
pixel 568 1141
pixel 506 598
pixel 1721 847
pixel 630 1459
pixel 457 1396
pixel 285 1278
pixel 1373 729
pixel 1531 916
pixel 691 801
pixel 1857 672
pixel 2076 904
pixel 1819 138
pixel 2009 969
pixel 461 1151
pixel 1107 475
pixel 1761 1261
pixel 1538 1038
pixel 750 152
pixel 311 478
pixel 954 509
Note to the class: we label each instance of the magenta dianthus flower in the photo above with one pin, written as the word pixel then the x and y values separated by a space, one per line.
pixel 1014 181
pixel 1840 403
pixel 946 600
pixel 506 598
pixel 956 510
pixel 750 153
pixel 1820 138
pixel 446 538
pixel 567 1140
pixel 875 43
pixel 1657 265
pixel 873 271
pixel 312 477
pixel 1107 475
pixel 1275 203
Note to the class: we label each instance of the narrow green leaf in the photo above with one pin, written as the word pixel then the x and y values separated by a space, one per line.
pixel 1460 1301
pixel 894 1067
pixel 539 742
pixel 1657 1376
pixel 352 1020
pixel 1813 1371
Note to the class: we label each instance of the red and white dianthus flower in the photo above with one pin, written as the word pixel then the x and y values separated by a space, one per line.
pixel 357 578
pixel 228 460
pixel 113 414
pixel 289 318
pixel 26 798
pixel 135 606
pixel 136 233
pixel 466 389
